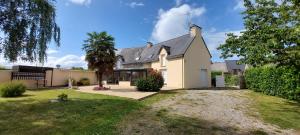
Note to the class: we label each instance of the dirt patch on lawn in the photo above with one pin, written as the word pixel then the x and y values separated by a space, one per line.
pixel 199 112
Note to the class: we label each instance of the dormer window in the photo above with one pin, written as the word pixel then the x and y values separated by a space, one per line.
pixel 137 58
pixel 163 60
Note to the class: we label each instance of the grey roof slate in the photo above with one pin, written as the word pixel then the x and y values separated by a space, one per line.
pixel 227 66
pixel 176 47
pixel 232 64
pixel 219 66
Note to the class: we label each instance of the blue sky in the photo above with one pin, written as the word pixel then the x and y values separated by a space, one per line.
pixel 134 22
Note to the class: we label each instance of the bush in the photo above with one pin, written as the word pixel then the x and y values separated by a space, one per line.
pixel 215 73
pixel 74 82
pixel 153 82
pixel 12 89
pixel 276 81
pixel 231 80
pixel 62 97
pixel 83 82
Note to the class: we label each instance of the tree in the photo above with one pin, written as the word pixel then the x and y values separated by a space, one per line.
pixel 272 34
pixel 27 26
pixel 100 53
pixel 77 68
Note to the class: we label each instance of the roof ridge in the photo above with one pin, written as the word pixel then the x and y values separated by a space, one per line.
pixel 171 39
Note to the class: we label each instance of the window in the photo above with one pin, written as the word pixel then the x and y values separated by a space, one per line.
pixel 165 75
pixel 163 60
pixel 125 75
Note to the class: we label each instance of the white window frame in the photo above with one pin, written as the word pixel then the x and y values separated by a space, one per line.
pixel 163 60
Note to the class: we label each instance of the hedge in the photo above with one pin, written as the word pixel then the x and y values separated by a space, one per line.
pixel 231 80
pixel 12 89
pixel 153 82
pixel 276 81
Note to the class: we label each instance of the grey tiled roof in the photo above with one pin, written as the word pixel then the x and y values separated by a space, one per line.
pixel 176 47
pixel 219 66
pixel 232 64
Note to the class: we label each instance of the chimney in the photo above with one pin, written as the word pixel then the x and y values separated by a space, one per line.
pixel 149 44
pixel 195 30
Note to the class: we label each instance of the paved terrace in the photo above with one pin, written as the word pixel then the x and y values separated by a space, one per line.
pixel 120 91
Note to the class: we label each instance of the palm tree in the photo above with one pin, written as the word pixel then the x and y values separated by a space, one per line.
pixel 100 54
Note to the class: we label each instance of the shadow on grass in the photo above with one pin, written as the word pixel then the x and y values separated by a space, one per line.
pixel 77 116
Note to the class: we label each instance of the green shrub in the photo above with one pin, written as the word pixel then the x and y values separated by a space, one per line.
pixel 215 73
pixel 231 80
pixel 62 97
pixel 74 82
pixel 153 82
pixel 275 81
pixel 83 82
pixel 12 89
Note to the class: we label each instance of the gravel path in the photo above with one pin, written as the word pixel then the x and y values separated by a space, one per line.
pixel 225 110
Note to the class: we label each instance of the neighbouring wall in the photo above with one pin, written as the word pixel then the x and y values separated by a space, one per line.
pixel 60 77
pixel 5 76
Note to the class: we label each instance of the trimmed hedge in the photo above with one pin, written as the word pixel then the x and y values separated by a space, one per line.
pixel 215 73
pixel 231 80
pixel 276 81
pixel 12 89
pixel 83 82
pixel 154 82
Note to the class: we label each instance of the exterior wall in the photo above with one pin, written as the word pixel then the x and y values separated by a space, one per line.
pixel 61 76
pixel 196 58
pixel 174 70
pixel 5 76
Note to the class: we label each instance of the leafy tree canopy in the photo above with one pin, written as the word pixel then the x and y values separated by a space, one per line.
pixel 100 53
pixel 77 68
pixel 26 27
pixel 272 34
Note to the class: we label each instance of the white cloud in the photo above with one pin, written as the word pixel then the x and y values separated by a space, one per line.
pixel 215 38
pixel 66 61
pixel 51 51
pixel 239 5
pixel 174 22
pixel 135 4
pixel 81 2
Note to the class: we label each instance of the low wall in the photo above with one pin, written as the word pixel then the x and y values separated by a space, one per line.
pixel 59 78
pixel 5 76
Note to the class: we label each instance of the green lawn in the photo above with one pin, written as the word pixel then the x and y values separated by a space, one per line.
pixel 83 114
pixel 275 110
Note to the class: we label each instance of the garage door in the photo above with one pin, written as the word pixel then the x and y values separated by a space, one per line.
pixel 203 78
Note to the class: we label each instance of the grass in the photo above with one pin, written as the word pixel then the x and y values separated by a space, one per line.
pixel 278 111
pixel 84 113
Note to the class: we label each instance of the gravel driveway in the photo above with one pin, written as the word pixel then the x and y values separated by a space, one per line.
pixel 209 112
